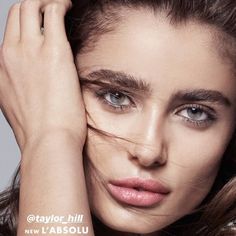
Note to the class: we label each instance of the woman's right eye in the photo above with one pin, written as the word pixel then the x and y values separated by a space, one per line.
pixel 115 100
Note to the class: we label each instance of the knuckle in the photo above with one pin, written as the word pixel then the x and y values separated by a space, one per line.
pixel 15 7
pixel 67 3
pixel 58 6
pixel 24 5
pixel 55 6
pixel 29 4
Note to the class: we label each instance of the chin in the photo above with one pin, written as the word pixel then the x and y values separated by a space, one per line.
pixel 134 227
pixel 129 220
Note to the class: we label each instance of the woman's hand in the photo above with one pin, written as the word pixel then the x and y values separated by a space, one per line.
pixel 41 99
pixel 39 87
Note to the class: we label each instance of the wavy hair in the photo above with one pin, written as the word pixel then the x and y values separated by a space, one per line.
pixel 85 23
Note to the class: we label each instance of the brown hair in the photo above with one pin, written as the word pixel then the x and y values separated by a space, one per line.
pixel 89 20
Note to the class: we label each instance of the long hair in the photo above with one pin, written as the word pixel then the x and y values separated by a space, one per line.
pixel 85 23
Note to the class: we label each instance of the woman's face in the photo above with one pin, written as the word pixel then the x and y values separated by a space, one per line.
pixel 171 97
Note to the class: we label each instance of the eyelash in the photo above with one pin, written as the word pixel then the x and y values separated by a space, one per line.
pixel 209 112
pixel 101 93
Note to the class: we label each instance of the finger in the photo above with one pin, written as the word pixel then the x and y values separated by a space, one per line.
pixel 12 31
pixel 30 19
pixel 54 25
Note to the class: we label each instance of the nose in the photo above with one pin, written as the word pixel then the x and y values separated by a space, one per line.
pixel 150 147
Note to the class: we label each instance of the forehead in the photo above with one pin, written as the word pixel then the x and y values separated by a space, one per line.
pixel 148 46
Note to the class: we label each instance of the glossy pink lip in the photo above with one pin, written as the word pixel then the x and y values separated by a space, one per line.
pixel 137 192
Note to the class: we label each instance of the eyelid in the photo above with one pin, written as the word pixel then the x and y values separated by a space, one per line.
pixel 205 108
pixel 100 95
pixel 135 95
pixel 211 113
pixel 104 87
pixel 100 90
pixel 114 90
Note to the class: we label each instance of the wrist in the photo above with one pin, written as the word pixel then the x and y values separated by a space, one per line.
pixel 50 135
pixel 57 144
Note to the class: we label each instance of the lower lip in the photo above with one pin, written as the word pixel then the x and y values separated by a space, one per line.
pixel 134 197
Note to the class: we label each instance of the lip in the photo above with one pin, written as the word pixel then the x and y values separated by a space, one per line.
pixel 138 192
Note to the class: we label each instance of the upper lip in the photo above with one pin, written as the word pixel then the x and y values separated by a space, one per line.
pixel 149 185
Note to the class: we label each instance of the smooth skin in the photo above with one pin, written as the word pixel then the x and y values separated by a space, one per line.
pixel 40 96
pixel 41 99
pixel 178 125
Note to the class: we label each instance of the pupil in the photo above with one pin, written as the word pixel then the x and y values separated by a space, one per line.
pixel 195 112
pixel 117 97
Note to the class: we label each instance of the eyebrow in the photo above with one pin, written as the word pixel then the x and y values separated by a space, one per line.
pixel 202 95
pixel 117 78
pixel 130 82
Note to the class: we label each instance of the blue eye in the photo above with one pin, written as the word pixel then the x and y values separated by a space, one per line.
pixel 117 99
pixel 197 114
pixel 194 113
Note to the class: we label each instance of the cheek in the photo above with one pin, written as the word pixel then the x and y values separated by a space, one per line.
pixel 197 155
pixel 193 165
pixel 103 152
pixel 199 151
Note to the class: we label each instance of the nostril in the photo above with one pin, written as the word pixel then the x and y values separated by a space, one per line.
pixel 157 164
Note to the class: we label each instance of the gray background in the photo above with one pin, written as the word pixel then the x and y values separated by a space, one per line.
pixel 9 151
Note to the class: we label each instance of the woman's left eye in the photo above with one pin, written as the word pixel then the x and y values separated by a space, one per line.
pixel 194 114
pixel 197 114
